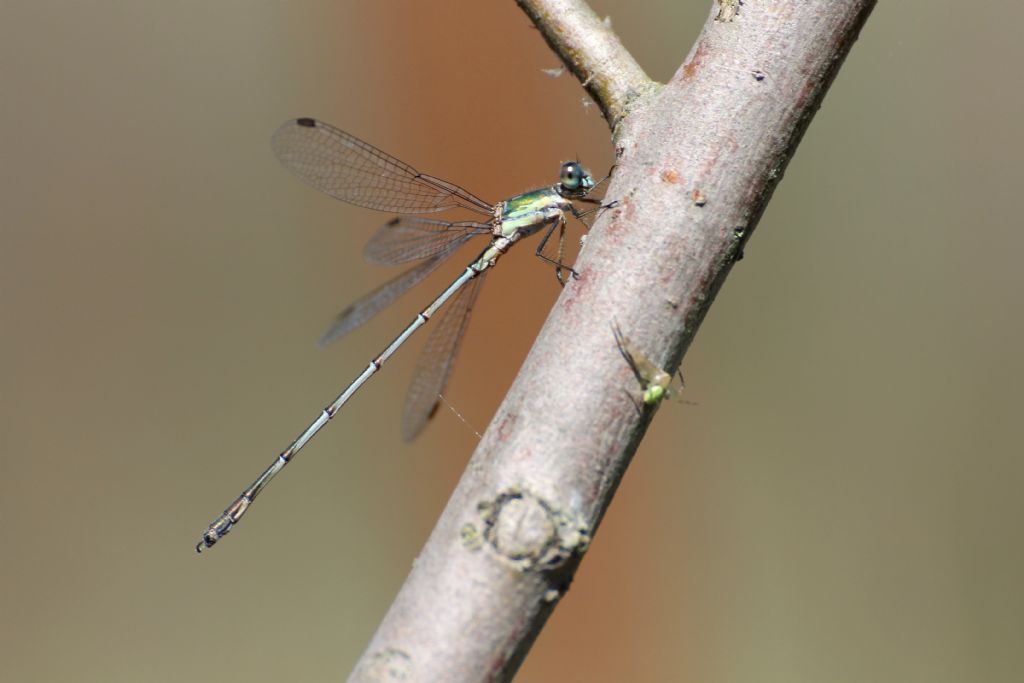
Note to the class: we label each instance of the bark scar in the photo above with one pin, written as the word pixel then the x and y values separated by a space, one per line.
pixel 529 533
pixel 727 10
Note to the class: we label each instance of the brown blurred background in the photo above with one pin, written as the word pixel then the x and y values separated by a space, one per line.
pixel 843 503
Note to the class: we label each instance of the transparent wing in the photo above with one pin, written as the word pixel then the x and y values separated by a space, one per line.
pixel 643 369
pixel 353 171
pixel 408 239
pixel 438 358
pixel 385 295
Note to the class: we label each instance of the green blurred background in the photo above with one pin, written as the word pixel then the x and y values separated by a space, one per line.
pixel 842 504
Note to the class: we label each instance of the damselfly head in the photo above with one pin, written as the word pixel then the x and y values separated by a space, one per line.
pixel 574 180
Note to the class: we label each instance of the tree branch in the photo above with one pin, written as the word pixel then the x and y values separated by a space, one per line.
pixel 592 52
pixel 698 161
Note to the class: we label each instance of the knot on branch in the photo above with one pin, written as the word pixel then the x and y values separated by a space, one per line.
pixel 527 531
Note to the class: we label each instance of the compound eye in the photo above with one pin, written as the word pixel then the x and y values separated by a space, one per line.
pixel 571 176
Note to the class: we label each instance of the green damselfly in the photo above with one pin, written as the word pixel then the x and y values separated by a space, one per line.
pixel 353 171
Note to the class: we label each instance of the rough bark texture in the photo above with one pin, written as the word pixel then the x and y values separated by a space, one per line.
pixel 698 160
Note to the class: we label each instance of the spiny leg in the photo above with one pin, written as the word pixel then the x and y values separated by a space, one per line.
pixel 580 215
pixel 560 225
pixel 557 263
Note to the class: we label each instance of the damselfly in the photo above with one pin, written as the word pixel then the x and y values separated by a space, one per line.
pixel 353 171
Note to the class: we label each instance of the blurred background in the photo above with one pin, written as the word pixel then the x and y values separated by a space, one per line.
pixel 842 504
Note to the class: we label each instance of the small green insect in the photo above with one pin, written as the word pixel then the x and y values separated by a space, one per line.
pixel 656 384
